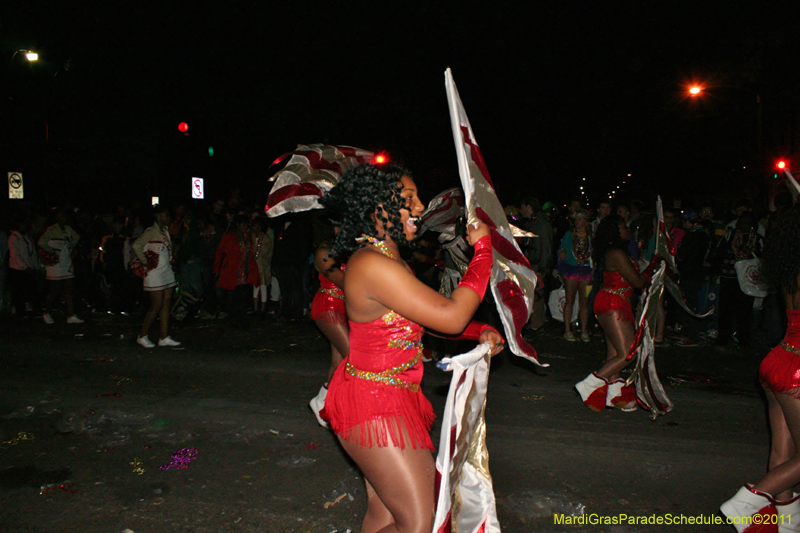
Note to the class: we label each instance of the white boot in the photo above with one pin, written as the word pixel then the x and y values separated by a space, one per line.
pixel 593 391
pixel 789 515
pixel 317 403
pixel 746 503
pixel 620 396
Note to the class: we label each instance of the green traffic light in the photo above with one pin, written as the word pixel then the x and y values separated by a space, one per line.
pixel 210 151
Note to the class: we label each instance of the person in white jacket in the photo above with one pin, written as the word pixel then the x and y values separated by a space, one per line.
pixel 154 249
pixel 58 243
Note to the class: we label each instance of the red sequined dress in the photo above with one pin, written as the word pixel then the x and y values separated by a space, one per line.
pixel 780 369
pixel 614 296
pixel 374 396
pixel 328 302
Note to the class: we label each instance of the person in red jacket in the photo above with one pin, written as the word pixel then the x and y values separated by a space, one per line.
pixel 235 267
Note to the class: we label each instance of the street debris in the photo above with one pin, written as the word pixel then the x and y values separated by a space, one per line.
pixel 21 436
pixel 180 459
pixel 138 466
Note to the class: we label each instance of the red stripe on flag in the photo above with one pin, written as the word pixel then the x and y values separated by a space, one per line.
pixel 446 525
pixel 500 243
pixel 477 157
pixel 289 191
pixel 514 300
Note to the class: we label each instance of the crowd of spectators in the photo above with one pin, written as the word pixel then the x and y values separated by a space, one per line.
pixel 68 263
pixel 707 244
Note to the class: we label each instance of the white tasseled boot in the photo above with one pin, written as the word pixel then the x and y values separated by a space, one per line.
pixel 620 396
pixel 789 515
pixel 317 403
pixel 744 505
pixel 593 391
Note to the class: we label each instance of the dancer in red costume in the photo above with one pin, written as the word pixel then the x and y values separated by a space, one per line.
pixel 612 307
pixel 329 314
pixel 772 497
pixel 374 401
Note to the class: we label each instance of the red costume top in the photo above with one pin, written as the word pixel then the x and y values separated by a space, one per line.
pixel 328 302
pixel 235 262
pixel 374 395
pixel 614 296
pixel 780 369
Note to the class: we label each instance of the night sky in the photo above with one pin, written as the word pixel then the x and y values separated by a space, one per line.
pixel 555 91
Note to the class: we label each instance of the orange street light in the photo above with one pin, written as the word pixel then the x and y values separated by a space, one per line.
pixel 695 90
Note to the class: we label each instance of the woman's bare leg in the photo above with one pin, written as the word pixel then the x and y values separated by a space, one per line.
pixel 156 303
pixel 570 288
pixel 69 296
pixel 784 460
pixel 619 336
pixel 164 312
pixel 56 288
pixel 338 334
pixel 583 306
pixel 400 488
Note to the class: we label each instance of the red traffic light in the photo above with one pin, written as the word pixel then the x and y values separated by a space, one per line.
pixel 380 159
pixel 781 164
pixel 183 127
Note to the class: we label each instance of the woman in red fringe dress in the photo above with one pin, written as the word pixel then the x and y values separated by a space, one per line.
pixel 612 307
pixel 772 499
pixel 329 314
pixel 374 402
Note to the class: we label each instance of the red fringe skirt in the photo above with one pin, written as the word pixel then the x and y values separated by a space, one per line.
pixel 376 414
pixel 608 302
pixel 780 372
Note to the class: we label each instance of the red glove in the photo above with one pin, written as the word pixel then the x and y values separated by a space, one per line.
pixel 473 331
pixel 655 262
pixel 480 268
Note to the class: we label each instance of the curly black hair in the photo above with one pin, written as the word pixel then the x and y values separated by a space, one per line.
pixel 607 237
pixel 356 201
pixel 781 259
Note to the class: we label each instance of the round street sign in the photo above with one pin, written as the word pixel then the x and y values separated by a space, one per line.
pixel 15 180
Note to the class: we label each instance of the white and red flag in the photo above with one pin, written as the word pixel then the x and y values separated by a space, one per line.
pixel 312 170
pixel 513 282
pixel 466 501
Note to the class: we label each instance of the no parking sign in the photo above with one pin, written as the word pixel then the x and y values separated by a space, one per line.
pixel 197 189
pixel 15 191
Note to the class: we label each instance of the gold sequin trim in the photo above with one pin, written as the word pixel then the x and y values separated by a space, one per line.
pixel 789 348
pixel 389 376
pixel 622 293
pixel 336 293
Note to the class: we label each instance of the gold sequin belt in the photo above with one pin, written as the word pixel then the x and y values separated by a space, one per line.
pixel 622 293
pixel 388 376
pixel 336 293
pixel 789 348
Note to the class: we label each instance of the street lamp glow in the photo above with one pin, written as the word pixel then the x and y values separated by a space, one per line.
pixel 695 90
pixel 31 56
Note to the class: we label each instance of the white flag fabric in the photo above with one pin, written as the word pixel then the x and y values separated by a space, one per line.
pixel 466 502
pixel 513 282
pixel 649 390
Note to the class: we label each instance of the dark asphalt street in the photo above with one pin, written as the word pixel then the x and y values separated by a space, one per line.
pixel 87 417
